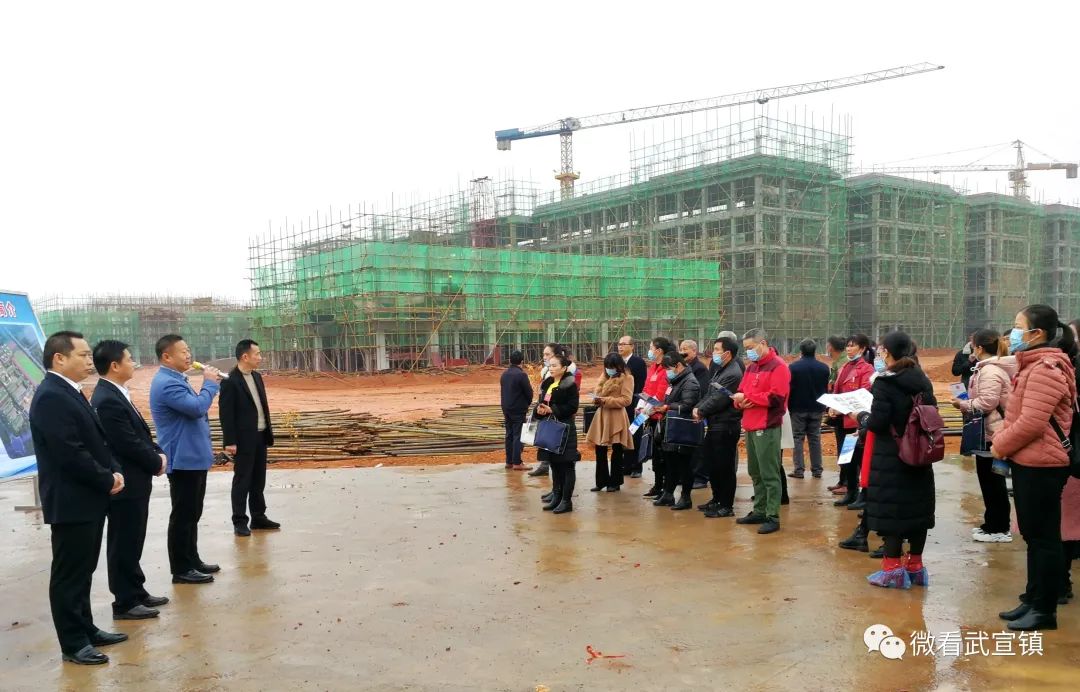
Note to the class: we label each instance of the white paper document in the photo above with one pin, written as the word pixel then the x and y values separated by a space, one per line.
pixel 858 401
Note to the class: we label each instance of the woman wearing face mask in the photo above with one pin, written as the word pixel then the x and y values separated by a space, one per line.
pixel 988 394
pixel 900 498
pixel 610 427
pixel 853 376
pixel 550 351
pixel 725 428
pixel 682 396
pixel 559 400
pixel 656 386
pixel 1044 389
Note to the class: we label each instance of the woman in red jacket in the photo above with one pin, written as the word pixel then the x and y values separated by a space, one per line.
pixel 853 376
pixel 656 386
pixel 1044 390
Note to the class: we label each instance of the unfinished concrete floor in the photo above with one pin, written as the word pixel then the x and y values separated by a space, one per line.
pixel 451 578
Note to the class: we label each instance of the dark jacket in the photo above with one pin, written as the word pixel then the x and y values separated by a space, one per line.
pixel 900 498
pixel 681 401
pixel 564 408
pixel 717 407
pixel 963 366
pixel 635 364
pixel 701 374
pixel 129 439
pixel 238 415
pixel 809 380
pixel 75 466
pixel 516 393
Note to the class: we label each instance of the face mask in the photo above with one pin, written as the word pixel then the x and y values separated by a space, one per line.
pixel 1016 339
pixel 718 359
pixel 671 375
pixel 610 372
pixel 752 355
pixel 652 356
pixel 879 365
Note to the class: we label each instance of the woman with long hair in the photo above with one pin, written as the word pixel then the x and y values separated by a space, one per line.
pixel 1044 392
pixel 656 387
pixel 682 396
pixel 854 375
pixel 988 395
pixel 610 426
pixel 559 401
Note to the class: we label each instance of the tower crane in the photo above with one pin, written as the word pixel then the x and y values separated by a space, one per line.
pixel 565 127
pixel 1017 172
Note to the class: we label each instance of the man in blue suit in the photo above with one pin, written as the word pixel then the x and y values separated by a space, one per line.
pixel 183 431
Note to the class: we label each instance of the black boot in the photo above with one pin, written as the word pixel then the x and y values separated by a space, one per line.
pixel 684 501
pixel 546 497
pixel 850 497
pixel 1034 620
pixel 1016 613
pixel 654 491
pixel 541 469
pixel 879 553
pixel 566 502
pixel 860 501
pixel 556 489
pixel 711 504
pixel 665 500
pixel 856 541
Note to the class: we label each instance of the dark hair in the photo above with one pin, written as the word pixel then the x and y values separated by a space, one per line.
pixel 837 342
pixel 1045 318
pixel 615 362
pixel 863 341
pixel 902 349
pixel 106 353
pixel 991 342
pixel 808 347
pixel 60 342
pixel 165 343
pixel 517 358
pixel 558 349
pixel 729 345
pixel 244 346
pixel 663 344
pixel 1075 324
pixel 563 359
pixel 672 358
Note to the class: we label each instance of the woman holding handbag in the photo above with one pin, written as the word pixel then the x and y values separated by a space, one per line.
pixel 853 376
pixel 656 387
pixel 682 397
pixel 559 402
pixel 610 426
pixel 988 394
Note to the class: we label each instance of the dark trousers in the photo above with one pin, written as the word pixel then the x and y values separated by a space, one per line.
pixel 187 489
pixel 563 479
pixel 997 517
pixel 126 536
pixel 807 426
pixel 248 483
pixel 75 552
pixel 700 464
pixel 614 478
pixel 840 434
pixel 512 441
pixel 630 461
pixel 1037 492
pixel 679 471
pixel 894 545
pixel 722 452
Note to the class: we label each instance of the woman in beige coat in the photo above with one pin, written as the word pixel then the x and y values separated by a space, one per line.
pixel 611 427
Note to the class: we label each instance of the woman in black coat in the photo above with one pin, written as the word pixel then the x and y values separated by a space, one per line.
pixel 682 397
pixel 559 401
pixel 900 498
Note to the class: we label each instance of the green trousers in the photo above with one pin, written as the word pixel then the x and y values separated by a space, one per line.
pixel 763 451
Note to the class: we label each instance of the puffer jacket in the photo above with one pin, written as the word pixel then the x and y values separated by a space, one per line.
pixel 564 407
pixel 1045 386
pixel 681 399
pixel 853 376
pixel 990 387
pixel 656 386
pixel 717 407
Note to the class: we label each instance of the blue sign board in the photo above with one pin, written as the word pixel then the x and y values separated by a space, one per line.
pixel 21 348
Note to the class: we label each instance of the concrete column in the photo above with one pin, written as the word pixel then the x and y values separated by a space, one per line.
pixel 434 355
pixel 382 359
pixel 492 346
pixel 605 338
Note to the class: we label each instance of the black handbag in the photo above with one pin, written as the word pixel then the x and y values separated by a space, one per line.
pixel 589 414
pixel 645 449
pixel 973 437
pixel 551 435
pixel 684 432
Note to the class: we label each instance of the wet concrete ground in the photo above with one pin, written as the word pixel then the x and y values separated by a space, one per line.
pixel 452 578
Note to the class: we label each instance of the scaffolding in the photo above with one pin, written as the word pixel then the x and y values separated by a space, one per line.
pixel 905 259
pixel 1061 260
pixel 211 326
pixel 765 199
pixel 329 301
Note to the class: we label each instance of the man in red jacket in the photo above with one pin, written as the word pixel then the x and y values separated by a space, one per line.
pixel 763 396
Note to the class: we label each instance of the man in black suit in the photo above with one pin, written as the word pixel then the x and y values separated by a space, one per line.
pixel 132 445
pixel 247 433
pixel 636 366
pixel 77 474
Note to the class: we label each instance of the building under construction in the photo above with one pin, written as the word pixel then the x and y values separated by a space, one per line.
pixel 210 326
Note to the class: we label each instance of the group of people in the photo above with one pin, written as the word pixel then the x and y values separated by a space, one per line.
pixel 1023 387
pixel 97 459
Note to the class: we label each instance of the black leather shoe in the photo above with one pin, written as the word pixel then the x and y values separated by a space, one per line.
pixel 192 576
pixel 241 530
pixel 207 568
pixel 546 497
pixel 155 601
pixel 613 489
pixel 856 541
pixel 796 474
pixel 263 524
pixel 541 470
pixel 751 518
pixel 817 475
pixel 770 526
pixel 665 500
pixel 700 485
pixel 596 489
pixel 564 507
pixel 785 500
pixel 1016 613
pixel 1034 620
pixel 857 504
pixel 102 638
pixel 711 504
pixel 879 553
pixel 844 501
pixel 139 612
pixel 87 656
pixel 653 492
pixel 555 501
pixel 717 512
pixel 683 503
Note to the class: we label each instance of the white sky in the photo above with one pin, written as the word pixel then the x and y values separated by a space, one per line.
pixel 143 144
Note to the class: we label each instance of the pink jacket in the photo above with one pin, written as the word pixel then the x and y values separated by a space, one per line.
pixel 1045 386
pixel 990 387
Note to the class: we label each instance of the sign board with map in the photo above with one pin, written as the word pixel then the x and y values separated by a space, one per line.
pixel 21 348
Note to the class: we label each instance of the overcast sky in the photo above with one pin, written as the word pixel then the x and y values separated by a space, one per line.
pixel 144 144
